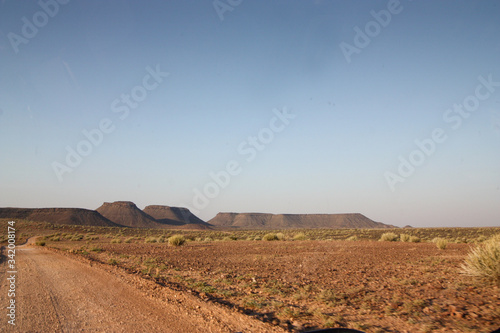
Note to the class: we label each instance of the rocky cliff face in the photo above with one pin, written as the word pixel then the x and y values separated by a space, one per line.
pixel 291 221
pixel 76 216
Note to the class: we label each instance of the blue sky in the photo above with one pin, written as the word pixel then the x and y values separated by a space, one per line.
pixel 201 84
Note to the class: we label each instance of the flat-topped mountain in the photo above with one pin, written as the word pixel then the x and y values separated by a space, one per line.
pixel 173 215
pixel 294 221
pixel 127 214
pixel 78 216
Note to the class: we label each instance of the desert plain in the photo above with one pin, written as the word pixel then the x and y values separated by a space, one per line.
pixel 293 280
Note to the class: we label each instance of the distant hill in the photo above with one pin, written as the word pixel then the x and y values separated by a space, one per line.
pixel 294 221
pixel 174 215
pixel 78 216
pixel 127 214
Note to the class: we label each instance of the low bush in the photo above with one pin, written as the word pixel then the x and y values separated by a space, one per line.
pixel 176 240
pixel 414 239
pixel 484 261
pixel 300 236
pixel 404 237
pixel 40 243
pixel 388 237
pixel 352 238
pixel 112 261
pixel 270 237
pixel 441 243
pixel 150 240
pixel 280 236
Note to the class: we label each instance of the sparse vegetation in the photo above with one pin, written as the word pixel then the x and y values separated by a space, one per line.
pixel 299 236
pixel 150 240
pixel 484 261
pixel 352 238
pixel 270 237
pixel 112 261
pixel 283 289
pixel 414 239
pixel 441 243
pixel 404 237
pixel 280 236
pixel 389 237
pixel 176 240
pixel 40 243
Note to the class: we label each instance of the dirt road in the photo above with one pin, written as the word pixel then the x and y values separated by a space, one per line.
pixel 55 293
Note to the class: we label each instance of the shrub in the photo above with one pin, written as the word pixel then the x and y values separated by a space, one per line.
pixel 40 243
pixel 208 239
pixel 280 236
pixel 484 261
pixel 404 237
pixel 116 240
pixel 352 238
pixel 414 239
pixel 300 236
pixel 441 243
pixel 176 240
pixel 112 261
pixel 388 237
pixel 270 237
pixel 150 240
pixel 128 240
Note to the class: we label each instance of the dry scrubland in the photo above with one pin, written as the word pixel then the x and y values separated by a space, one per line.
pixel 305 279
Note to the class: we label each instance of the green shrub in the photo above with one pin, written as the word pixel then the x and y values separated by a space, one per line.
pixel 270 237
pixel 388 237
pixel 484 261
pixel 40 243
pixel 404 237
pixel 176 240
pixel 300 236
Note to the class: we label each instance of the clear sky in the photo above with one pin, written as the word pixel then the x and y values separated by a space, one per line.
pixel 386 108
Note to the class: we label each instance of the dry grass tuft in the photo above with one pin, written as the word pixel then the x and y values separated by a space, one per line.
pixel 441 243
pixel 484 261
pixel 388 237
pixel 176 240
